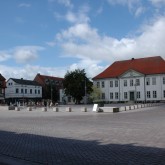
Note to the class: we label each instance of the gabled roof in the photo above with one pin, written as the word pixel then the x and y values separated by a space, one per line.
pixel 43 77
pixel 146 66
pixel 25 82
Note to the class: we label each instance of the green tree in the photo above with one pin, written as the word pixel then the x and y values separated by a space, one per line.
pixel 77 85
pixel 50 92
pixel 95 94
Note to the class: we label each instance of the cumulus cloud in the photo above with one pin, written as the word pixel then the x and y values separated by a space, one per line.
pixel 91 67
pixel 21 72
pixel 83 41
pixel 26 54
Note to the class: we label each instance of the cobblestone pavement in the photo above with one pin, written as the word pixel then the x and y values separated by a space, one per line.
pixel 135 137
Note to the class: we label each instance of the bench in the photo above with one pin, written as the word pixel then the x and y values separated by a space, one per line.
pixel 109 109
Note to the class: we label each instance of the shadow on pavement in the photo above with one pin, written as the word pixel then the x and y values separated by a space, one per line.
pixel 51 150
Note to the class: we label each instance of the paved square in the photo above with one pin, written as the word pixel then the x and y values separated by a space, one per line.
pixel 135 137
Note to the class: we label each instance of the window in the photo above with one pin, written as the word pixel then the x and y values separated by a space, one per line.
pixel 21 90
pixel 116 83
pixel 111 83
pixel 131 82
pixel 103 95
pixel 148 81
pixel 102 84
pixel 137 82
pixel 116 95
pixel 154 81
pixel 154 94
pixel 148 94
pixel 98 84
pixel 164 93
pixel 138 95
pixel 111 95
pixel 163 80
pixel 30 91
pixel 25 90
pixel 17 90
pixel 38 91
pixel 35 91
pixel 125 95
pixel 125 83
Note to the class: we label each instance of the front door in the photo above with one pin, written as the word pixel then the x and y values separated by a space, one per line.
pixel 132 96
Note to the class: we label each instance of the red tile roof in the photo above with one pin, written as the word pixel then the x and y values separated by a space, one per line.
pixel 147 66
pixel 42 78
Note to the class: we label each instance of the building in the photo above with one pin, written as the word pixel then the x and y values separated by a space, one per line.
pixel 137 80
pixel 20 90
pixel 2 88
pixel 51 86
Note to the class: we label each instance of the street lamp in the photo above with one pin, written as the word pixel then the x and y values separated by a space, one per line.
pixel 85 99
pixel 135 91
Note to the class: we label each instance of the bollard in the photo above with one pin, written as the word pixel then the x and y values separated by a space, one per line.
pixel 55 109
pixel 68 109
pixel 84 109
pixel 29 108
pixel 17 108
pixel 44 109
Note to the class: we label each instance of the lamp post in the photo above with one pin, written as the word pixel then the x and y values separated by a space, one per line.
pixel 135 91
pixel 85 99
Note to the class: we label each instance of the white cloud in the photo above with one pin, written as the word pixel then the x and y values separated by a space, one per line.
pixel 66 3
pixel 91 67
pixel 4 56
pixel 26 54
pixel 24 5
pixel 82 41
pixel 134 6
pixel 29 72
pixel 157 2
pixel 75 17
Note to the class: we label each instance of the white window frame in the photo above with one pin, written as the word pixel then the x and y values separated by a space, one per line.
pixel 131 83
pixel 116 95
pixel 154 94
pixel 147 81
pixel 137 82
pixel 125 95
pixel 148 94
pixel 111 95
pixel 125 83
pixel 111 83
pixel 153 80
pixel 116 83
pixel 102 84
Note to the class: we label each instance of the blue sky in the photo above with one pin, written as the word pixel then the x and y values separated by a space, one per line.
pixel 53 36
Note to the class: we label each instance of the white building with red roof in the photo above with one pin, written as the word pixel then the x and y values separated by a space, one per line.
pixel 137 80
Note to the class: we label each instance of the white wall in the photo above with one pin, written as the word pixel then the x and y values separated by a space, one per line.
pixel 142 88
pixel 10 91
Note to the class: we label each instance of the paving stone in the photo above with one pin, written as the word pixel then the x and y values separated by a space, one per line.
pixel 126 138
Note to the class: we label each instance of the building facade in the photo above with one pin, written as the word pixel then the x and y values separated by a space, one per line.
pixel 133 80
pixel 51 86
pixel 20 90
pixel 2 88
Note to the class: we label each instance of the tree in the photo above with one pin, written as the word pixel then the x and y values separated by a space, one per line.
pixel 50 91
pixel 95 94
pixel 77 85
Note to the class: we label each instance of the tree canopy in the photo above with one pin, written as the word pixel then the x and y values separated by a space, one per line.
pixel 77 85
